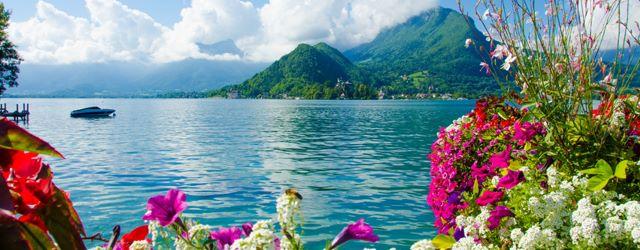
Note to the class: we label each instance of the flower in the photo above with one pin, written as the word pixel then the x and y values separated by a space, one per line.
pixel 497 215
pixel 500 52
pixel 512 179
pixel 468 42
pixel 226 236
pixel 355 231
pixel 485 66
pixel 247 228
pixel 500 160
pixel 489 197
pixel 166 209
pixel 507 62
pixel 138 234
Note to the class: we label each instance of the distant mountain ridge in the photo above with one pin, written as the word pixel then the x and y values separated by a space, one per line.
pixel 124 79
pixel 424 56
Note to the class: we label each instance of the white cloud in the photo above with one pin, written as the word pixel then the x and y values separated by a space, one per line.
pixel 114 31
pixel 342 23
pixel 629 14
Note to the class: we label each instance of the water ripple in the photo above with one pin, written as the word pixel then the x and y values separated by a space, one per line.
pixel 349 159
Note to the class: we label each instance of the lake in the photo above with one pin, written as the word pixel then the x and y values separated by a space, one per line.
pixel 349 159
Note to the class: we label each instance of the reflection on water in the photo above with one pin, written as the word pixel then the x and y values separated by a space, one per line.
pixel 350 159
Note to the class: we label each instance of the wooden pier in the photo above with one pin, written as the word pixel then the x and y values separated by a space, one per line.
pixel 17 115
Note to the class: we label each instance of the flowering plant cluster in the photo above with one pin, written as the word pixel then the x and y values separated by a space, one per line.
pixel 168 229
pixel 556 165
pixel 34 212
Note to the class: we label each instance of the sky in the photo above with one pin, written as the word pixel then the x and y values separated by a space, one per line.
pixel 93 31
pixel 160 31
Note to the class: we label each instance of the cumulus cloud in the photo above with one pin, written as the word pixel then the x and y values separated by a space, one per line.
pixel 114 31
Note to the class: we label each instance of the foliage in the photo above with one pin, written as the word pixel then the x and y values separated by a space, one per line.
pixel 35 213
pixel 9 58
pixel 558 166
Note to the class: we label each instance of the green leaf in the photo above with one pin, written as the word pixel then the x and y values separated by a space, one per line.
pixel 604 168
pixel 476 187
pixel 63 221
pixel 502 114
pixel 591 171
pixel 442 241
pixel 14 137
pixel 598 182
pixel 515 165
pixel 621 169
pixel 21 235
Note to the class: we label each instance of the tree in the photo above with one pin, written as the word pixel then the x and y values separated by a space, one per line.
pixel 9 58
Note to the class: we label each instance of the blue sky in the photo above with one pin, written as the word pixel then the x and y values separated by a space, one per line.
pixel 166 12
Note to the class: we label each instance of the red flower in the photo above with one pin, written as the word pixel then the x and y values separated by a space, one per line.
pixel 27 176
pixel 140 233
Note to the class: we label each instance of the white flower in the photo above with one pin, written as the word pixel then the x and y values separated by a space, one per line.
pixel 552 177
pixel 287 206
pixel 423 245
pixel 468 243
pixel 468 42
pixel 261 237
pixel 500 52
pixel 507 62
pixel 140 245
pixel 635 235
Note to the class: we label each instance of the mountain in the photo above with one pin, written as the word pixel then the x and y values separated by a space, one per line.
pixel 424 56
pixel 308 71
pixel 116 79
pixel 429 46
pixel 223 47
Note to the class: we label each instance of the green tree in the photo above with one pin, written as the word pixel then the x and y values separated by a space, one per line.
pixel 9 58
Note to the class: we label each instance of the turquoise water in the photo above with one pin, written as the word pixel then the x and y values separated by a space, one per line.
pixel 349 159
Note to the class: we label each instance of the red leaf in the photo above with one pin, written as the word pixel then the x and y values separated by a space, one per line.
pixel 13 136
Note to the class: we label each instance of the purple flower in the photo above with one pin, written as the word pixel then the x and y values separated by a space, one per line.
pixel 247 228
pixel 500 160
pixel 166 209
pixel 489 197
pixel 497 215
pixel 356 231
pixel 512 179
pixel 226 236
pixel 454 197
pixel 458 233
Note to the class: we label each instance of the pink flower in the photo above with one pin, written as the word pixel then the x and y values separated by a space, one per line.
pixel 500 160
pixel 500 52
pixel 247 228
pixel 507 62
pixel 485 66
pixel 166 209
pixel 512 179
pixel 489 197
pixel 497 215
pixel 356 231
pixel 525 131
pixel 226 236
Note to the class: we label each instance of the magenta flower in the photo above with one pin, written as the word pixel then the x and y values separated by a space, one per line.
pixel 489 197
pixel 497 215
pixel 247 228
pixel 356 231
pixel 512 179
pixel 500 160
pixel 226 236
pixel 166 209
